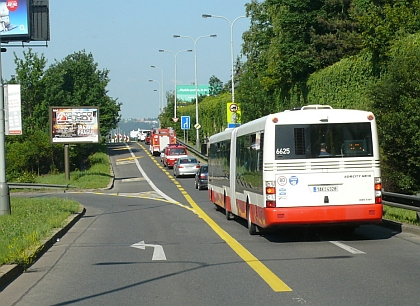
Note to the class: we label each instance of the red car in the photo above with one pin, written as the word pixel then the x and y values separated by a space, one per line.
pixel 172 153
pixel 148 136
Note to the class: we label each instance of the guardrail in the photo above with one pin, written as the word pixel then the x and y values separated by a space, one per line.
pixel 409 202
pixel 38 186
pixel 192 150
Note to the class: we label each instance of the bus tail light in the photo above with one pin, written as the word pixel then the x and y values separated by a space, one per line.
pixel 270 194
pixel 378 190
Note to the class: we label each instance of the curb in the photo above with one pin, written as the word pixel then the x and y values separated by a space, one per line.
pixel 8 273
pixel 401 227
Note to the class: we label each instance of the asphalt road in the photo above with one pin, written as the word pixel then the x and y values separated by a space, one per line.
pixel 156 240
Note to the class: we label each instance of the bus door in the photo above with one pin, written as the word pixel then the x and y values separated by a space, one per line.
pixel 232 178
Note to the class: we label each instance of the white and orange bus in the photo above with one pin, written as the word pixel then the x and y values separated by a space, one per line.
pixel 307 166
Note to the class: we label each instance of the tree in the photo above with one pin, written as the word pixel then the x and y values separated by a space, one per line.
pixel 289 40
pixel 252 92
pixel 30 72
pixel 76 81
pixel 396 101
pixel 215 86
pixel 383 21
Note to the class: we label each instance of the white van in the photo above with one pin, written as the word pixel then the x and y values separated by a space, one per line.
pixel 142 135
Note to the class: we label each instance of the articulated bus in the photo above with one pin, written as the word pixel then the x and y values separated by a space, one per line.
pixel 312 166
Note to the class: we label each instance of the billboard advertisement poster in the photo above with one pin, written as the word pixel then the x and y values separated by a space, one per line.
pixel 13 109
pixel 14 20
pixel 78 124
pixel 186 93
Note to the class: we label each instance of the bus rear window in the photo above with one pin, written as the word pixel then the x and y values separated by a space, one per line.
pixel 323 140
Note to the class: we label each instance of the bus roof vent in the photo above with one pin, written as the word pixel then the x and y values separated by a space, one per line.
pixel 316 106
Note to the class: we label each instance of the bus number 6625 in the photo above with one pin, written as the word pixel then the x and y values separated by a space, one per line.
pixel 282 151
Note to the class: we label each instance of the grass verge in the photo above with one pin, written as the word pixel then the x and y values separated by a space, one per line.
pixel 400 215
pixel 98 175
pixel 30 223
pixel 33 220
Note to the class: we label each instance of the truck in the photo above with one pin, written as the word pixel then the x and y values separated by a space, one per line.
pixel 160 138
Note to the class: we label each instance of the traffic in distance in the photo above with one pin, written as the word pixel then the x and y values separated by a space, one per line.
pixel 321 166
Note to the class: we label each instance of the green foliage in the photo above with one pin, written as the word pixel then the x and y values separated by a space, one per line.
pixel 30 73
pixel 287 42
pixel 216 86
pixel 396 102
pixel 212 116
pixel 381 22
pixel 74 81
pixel 96 175
pixel 344 84
pixel 400 215
pixel 33 154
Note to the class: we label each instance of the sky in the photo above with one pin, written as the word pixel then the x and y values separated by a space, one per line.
pixel 125 37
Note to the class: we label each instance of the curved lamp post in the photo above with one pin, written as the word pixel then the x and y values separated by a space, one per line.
pixel 162 92
pixel 197 126
pixel 231 46
pixel 175 55
pixel 160 109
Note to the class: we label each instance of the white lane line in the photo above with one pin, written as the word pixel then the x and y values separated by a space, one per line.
pixel 163 195
pixel 347 247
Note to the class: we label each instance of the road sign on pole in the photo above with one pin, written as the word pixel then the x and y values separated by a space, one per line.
pixel 185 122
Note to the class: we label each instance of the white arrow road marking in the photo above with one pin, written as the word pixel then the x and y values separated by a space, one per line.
pixel 158 253
pixel 347 248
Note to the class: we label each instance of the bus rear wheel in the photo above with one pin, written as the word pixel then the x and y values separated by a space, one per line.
pixel 229 215
pixel 252 228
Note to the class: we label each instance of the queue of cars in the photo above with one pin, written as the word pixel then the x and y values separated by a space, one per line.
pixel 176 157
pixel 201 178
pixel 142 134
pixel 186 166
pixel 172 153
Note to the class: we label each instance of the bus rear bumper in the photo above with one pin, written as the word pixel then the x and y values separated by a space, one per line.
pixel 340 214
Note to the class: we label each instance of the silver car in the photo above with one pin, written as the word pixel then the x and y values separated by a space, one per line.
pixel 186 166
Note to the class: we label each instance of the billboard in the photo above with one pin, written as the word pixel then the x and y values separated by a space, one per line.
pixel 13 109
pixel 186 93
pixel 14 20
pixel 78 124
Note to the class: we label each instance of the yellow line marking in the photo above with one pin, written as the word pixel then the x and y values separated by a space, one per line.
pixel 120 148
pixel 266 274
pixel 128 158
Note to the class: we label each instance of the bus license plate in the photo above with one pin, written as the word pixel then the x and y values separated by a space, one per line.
pixel 325 189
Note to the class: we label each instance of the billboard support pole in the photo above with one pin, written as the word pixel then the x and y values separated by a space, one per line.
pixel 66 162
pixel 4 187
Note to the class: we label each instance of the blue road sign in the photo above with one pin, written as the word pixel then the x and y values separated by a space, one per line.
pixel 233 125
pixel 185 122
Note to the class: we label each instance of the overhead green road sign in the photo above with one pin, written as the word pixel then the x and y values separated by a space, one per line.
pixel 186 93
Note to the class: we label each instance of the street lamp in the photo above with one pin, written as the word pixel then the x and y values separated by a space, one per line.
pixel 197 126
pixel 153 66
pixel 160 109
pixel 4 187
pixel 175 55
pixel 231 46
